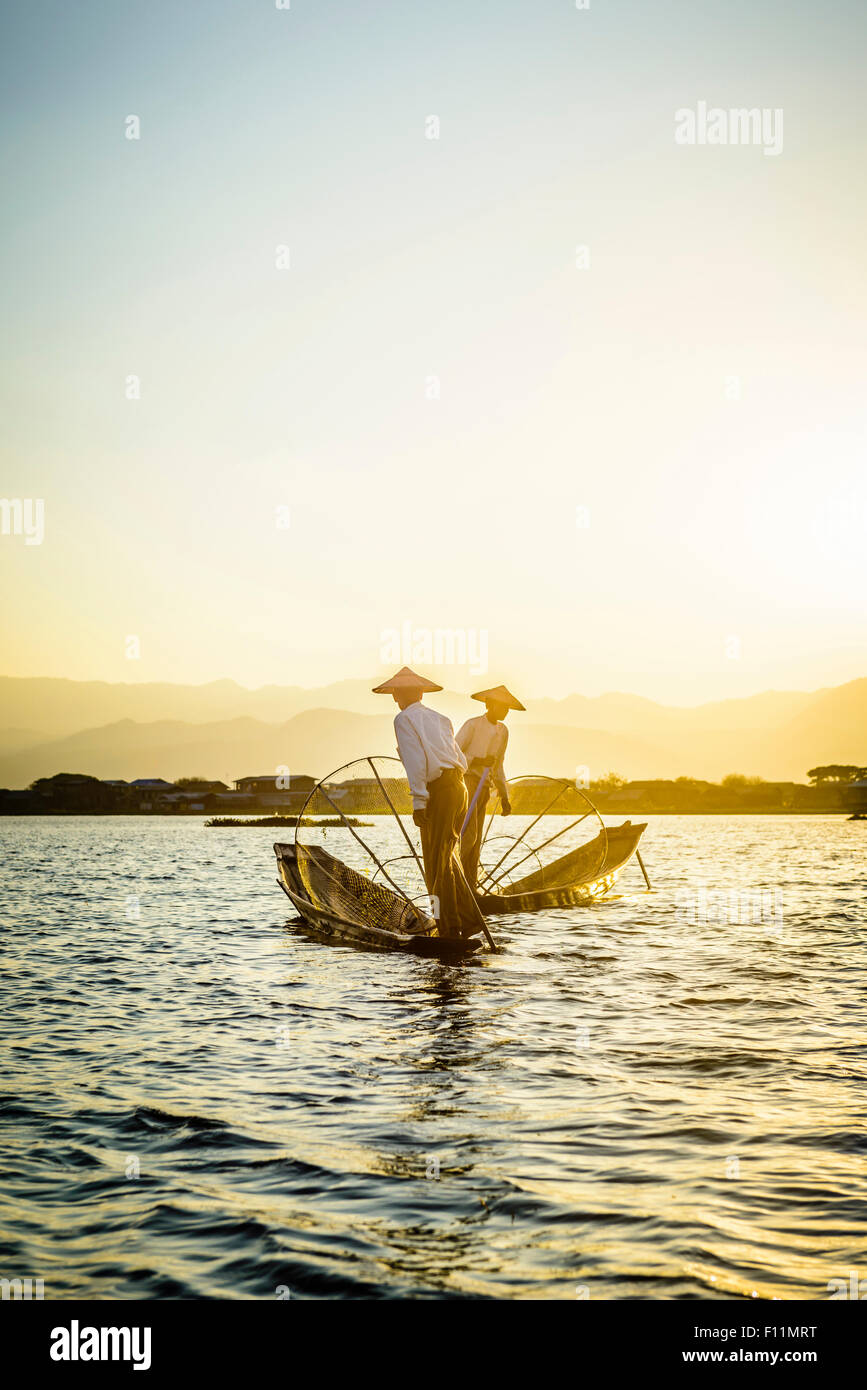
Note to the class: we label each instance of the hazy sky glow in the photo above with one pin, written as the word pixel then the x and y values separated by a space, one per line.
pixel 604 388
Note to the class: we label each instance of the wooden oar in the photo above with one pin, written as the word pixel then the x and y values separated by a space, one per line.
pixel 643 870
pixel 476 794
pixel 459 868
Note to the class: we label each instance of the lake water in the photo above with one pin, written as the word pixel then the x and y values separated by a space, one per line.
pixel 645 1099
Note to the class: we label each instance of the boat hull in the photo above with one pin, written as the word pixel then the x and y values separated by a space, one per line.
pixel 605 861
pixel 336 926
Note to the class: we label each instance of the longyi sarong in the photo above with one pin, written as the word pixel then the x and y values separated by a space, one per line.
pixel 458 911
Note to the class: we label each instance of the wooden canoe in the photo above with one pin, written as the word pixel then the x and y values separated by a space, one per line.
pixel 574 879
pixel 337 902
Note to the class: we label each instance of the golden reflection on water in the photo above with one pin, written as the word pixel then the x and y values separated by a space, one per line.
pixel 620 1100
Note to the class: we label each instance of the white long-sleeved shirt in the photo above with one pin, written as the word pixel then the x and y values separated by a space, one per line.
pixel 479 738
pixel 426 744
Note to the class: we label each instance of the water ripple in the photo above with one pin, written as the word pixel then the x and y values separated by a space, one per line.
pixel 199 1100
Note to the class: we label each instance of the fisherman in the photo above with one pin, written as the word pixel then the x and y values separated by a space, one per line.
pixel 483 740
pixel 434 767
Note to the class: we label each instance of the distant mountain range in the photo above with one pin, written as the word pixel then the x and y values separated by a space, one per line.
pixel 222 730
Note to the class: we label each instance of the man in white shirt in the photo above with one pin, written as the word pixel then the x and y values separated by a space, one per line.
pixel 483 741
pixel 434 767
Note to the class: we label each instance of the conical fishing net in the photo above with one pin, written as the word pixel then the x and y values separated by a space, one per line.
pixel 358 852
pixel 554 838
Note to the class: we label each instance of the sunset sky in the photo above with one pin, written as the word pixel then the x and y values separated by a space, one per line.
pixel 724 544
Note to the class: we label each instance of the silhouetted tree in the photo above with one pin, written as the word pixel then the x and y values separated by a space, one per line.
pixel 836 772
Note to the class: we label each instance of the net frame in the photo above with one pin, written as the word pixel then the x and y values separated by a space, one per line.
pixel 395 905
pixel 390 889
pixel 499 877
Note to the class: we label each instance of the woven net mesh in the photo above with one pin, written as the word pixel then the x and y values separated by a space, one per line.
pixel 358 851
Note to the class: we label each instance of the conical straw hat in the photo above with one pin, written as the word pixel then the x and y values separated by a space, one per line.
pixel 405 679
pixel 501 695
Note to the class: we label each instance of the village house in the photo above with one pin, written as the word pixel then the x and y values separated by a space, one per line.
pixel 274 782
pixel 276 791
pixel 150 791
